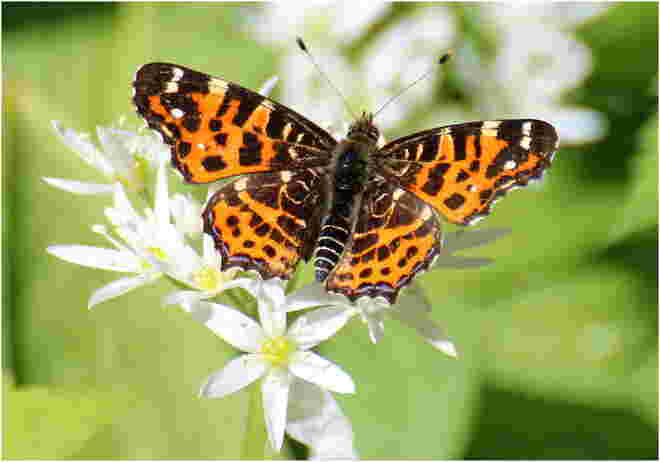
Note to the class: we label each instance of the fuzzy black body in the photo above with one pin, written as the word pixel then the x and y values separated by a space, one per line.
pixel 351 171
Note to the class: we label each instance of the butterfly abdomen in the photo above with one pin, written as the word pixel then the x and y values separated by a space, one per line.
pixel 350 169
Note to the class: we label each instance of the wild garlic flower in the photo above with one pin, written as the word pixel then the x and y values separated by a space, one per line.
pixel 123 157
pixel 148 246
pixel 274 353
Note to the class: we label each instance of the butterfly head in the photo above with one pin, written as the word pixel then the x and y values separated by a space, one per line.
pixel 363 129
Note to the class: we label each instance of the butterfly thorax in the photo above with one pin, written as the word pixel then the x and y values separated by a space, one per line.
pixel 350 161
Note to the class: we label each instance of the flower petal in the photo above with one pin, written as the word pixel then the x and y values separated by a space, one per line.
pixel 234 327
pixel 185 298
pixel 310 296
pixel 237 373
pixel 270 297
pixel 118 287
pixel 81 145
pixel 318 325
pixel 315 419
pixel 79 187
pixel 162 201
pixel 96 257
pixel 275 395
pixel 316 369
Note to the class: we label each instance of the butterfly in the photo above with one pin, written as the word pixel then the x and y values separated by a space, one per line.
pixel 368 216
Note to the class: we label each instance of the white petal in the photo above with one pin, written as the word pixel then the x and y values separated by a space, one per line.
pixel 210 255
pixel 117 145
pixel 117 288
pixel 270 298
pixel 96 257
pixel 79 187
pixel 124 211
pixel 81 145
pixel 312 295
pixel 237 373
pixel 316 369
pixel 312 328
pixel 185 298
pixel 275 395
pixel 315 419
pixel 162 201
pixel 461 240
pixel 268 85
pixel 234 327
pixel 376 328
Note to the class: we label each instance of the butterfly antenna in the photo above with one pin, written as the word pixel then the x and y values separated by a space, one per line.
pixel 443 59
pixel 303 47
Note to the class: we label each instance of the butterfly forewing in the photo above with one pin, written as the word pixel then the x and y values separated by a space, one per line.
pixel 217 129
pixel 462 169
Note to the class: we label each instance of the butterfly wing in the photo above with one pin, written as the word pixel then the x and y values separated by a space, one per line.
pixel 396 236
pixel 461 170
pixel 268 221
pixel 218 129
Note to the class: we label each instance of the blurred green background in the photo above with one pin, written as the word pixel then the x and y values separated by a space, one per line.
pixel 558 338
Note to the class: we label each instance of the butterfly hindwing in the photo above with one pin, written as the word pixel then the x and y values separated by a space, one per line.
pixel 462 169
pixel 217 129
pixel 396 236
pixel 267 221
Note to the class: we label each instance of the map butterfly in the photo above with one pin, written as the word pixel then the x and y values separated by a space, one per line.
pixel 368 216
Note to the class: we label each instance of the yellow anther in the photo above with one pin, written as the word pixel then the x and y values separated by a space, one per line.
pixel 158 253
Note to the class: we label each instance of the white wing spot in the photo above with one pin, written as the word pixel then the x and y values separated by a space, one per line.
pixel 527 128
pixel 171 87
pixel 176 74
pixel 510 165
pixel 285 176
pixel 491 124
pixel 525 142
pixel 177 113
pixel 472 188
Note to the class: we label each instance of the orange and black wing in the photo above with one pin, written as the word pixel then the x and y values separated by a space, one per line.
pixel 218 129
pixel 461 170
pixel 267 222
pixel 396 236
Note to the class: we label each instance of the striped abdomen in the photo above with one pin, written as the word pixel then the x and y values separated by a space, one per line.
pixel 335 230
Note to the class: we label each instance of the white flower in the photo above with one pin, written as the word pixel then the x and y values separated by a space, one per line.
pixel 202 274
pixel 149 246
pixel 123 157
pixel 273 352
